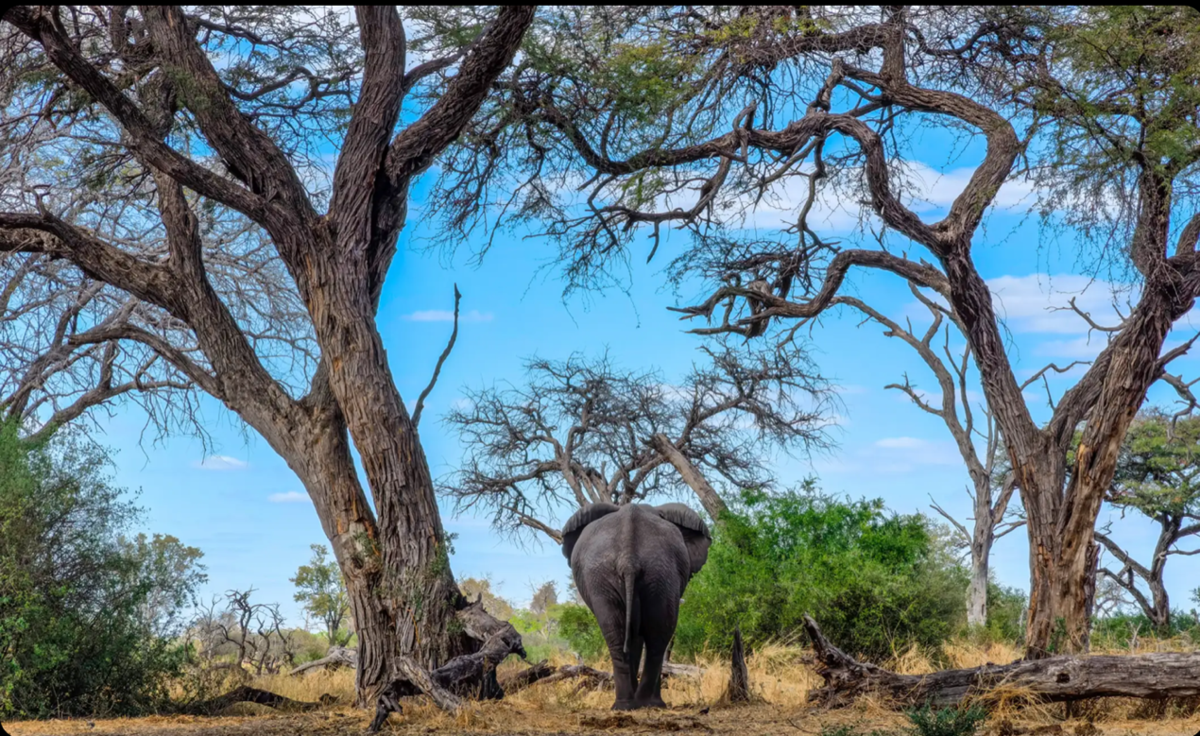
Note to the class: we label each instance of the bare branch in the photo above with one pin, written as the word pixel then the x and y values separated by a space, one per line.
pixel 437 369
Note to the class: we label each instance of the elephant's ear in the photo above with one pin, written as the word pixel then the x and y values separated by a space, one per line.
pixel 581 518
pixel 695 532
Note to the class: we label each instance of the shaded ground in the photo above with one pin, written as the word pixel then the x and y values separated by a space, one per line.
pixel 496 719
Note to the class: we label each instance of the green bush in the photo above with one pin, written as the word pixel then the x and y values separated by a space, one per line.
pixel 1117 630
pixel 578 627
pixel 87 615
pixel 1006 607
pixel 875 582
pixel 947 721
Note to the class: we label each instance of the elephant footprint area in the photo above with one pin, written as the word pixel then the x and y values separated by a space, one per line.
pixel 649 725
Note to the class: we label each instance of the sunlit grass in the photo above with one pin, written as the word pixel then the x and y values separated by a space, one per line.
pixel 782 675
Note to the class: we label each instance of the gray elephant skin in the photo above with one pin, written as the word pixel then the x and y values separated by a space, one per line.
pixel 631 564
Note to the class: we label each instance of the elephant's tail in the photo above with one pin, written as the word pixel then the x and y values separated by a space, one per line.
pixel 630 592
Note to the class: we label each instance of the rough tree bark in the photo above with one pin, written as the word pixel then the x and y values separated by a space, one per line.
pixel 398 578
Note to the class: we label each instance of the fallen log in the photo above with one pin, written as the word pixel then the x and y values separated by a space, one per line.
pixel 670 669
pixel 245 694
pixel 516 681
pixel 334 658
pixel 1055 679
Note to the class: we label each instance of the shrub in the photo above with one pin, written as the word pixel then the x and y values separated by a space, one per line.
pixel 578 626
pixel 947 721
pixel 87 616
pixel 1005 613
pixel 875 582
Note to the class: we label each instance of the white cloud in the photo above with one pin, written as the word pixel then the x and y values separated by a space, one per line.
pixel 1039 303
pixel 221 462
pixel 935 190
pixel 926 191
pixel 902 454
pixel 445 315
pixel 289 497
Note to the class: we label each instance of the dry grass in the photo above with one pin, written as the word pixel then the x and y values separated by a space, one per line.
pixel 780 674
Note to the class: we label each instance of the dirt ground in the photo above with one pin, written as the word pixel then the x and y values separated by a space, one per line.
pixel 781 677
pixel 505 719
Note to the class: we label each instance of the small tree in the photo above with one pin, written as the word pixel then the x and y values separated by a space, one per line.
pixel 251 632
pixel 321 590
pixel 584 430
pixel 1158 475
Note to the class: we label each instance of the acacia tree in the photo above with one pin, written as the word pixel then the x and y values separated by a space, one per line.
pixel 583 431
pixel 689 118
pixel 153 148
pixel 1158 476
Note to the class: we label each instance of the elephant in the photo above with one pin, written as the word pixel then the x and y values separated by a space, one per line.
pixel 631 564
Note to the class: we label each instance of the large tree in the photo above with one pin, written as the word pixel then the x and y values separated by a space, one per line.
pixel 162 151
pixel 585 430
pixel 625 122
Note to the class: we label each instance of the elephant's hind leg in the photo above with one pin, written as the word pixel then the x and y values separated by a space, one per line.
pixel 611 618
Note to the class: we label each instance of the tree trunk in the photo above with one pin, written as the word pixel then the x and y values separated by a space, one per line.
pixel 1062 587
pixel 1066 678
pixel 982 538
pixel 417 585
pixel 709 498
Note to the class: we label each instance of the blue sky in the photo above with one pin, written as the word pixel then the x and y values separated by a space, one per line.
pixel 241 505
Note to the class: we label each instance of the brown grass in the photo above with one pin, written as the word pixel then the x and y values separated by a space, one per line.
pixel 780 675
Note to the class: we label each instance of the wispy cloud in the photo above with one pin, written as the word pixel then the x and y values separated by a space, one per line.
pixel 221 462
pixel 289 497
pixel 1041 303
pixel 445 315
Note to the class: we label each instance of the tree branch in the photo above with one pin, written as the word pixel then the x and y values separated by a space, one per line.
pixel 437 369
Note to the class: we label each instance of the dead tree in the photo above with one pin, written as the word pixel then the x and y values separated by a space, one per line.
pixel 992 486
pixel 154 148
pixel 252 632
pixel 821 100
pixel 583 431
pixel 738 690
pixel 1158 475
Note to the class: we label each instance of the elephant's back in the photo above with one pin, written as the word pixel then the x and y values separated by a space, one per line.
pixel 634 541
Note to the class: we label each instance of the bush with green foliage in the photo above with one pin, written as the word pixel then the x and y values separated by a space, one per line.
pixel 578 627
pixel 875 582
pixel 946 721
pixel 1119 630
pixel 1005 612
pixel 87 615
